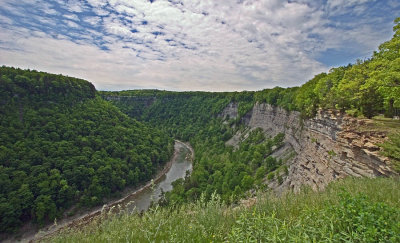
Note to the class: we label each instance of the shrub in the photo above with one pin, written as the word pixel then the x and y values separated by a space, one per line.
pixel 271 176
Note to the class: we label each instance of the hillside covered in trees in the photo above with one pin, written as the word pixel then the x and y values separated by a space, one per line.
pixel 364 89
pixel 194 117
pixel 61 145
pixel 368 87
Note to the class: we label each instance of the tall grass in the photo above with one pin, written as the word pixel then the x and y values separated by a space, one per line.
pixel 353 210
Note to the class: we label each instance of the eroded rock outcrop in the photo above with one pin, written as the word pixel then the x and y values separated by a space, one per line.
pixel 327 147
pixel 230 111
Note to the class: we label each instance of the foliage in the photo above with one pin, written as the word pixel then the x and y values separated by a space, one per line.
pixel 359 220
pixel 351 210
pixel 361 88
pixel 193 116
pixel 59 142
pixel 354 219
pixel 227 171
pixel 392 150
pixel 17 85
pixel 60 145
pixel 368 87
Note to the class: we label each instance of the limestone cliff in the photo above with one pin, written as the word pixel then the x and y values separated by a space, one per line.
pixel 325 148
pixel 230 111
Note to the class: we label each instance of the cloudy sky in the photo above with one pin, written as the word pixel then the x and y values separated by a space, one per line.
pixel 219 45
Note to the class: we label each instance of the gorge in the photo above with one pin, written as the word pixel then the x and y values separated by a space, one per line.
pixel 326 147
pixel 318 162
pixel 318 150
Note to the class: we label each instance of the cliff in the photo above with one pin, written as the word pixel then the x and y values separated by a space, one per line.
pixel 318 150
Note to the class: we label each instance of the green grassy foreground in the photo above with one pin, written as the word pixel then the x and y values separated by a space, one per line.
pixel 351 210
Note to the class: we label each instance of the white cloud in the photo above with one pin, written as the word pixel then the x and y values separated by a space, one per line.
pixel 196 45
pixel 127 10
pixel 72 17
pixel 75 6
pixel 342 6
pixel 97 3
pixel 5 20
pixel 71 24
pixel 92 20
pixel 46 8
pixel 114 26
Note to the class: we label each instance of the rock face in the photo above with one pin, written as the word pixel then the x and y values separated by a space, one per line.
pixel 326 147
pixel 230 111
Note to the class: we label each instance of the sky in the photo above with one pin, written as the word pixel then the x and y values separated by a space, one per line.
pixel 229 45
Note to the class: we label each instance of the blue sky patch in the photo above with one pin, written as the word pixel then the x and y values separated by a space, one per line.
pixel 192 44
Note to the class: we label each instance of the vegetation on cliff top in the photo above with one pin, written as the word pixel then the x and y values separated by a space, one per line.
pixel 351 210
pixel 368 87
pixel 61 145
pixel 359 89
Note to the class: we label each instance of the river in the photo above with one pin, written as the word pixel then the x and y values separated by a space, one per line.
pixel 138 200
pixel 179 167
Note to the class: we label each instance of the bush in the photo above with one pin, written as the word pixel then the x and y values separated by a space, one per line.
pixel 350 210
pixel 280 179
pixel 360 220
pixel 354 219
pixel 271 176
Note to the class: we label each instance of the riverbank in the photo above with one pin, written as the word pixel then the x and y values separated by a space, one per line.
pixel 87 216
pixel 187 145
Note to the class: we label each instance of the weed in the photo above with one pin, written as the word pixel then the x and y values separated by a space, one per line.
pixel 350 210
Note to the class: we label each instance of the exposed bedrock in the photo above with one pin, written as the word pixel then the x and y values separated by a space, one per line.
pixel 326 146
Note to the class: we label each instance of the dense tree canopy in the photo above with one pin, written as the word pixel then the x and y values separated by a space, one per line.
pixel 61 145
pixel 194 117
pixel 366 88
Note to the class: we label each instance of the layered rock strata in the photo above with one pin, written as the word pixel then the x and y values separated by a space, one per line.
pixel 327 147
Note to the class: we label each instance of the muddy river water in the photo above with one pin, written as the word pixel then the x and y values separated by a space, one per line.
pixel 139 200
pixel 180 167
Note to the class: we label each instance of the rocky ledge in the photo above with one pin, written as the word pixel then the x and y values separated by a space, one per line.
pixel 326 147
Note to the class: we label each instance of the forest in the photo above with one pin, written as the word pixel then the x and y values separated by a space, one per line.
pixel 365 89
pixel 193 117
pixel 61 146
pixel 65 145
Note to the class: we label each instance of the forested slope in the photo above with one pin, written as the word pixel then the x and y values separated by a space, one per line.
pixel 368 87
pixel 365 89
pixel 60 145
pixel 196 117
